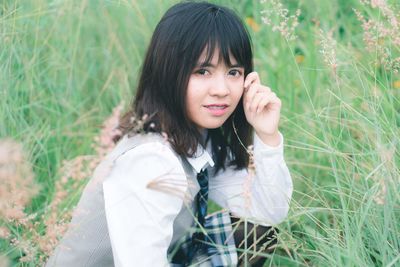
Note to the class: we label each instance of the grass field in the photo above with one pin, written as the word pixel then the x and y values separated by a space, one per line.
pixel 65 65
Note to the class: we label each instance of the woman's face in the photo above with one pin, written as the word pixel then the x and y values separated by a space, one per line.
pixel 214 91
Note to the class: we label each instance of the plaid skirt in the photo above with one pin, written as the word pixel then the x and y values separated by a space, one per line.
pixel 218 249
pixel 228 241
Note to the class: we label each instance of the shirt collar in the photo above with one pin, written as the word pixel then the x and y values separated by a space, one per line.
pixel 200 159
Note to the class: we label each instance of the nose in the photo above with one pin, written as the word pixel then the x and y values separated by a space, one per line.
pixel 219 86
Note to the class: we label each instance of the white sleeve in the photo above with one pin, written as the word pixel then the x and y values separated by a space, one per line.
pixel 265 197
pixel 143 196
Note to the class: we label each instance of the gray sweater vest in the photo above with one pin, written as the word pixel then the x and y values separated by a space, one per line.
pixel 87 241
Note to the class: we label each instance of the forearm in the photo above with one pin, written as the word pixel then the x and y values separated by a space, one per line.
pixel 272 140
pixel 264 197
pixel 272 186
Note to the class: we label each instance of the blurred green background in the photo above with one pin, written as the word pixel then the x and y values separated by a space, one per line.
pixel 64 65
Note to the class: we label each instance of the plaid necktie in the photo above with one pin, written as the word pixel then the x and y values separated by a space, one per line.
pixel 193 243
pixel 202 196
pixel 201 200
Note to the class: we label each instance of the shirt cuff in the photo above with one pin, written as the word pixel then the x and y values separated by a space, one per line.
pixel 272 153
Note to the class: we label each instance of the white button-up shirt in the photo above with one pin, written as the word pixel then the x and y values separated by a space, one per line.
pixel 143 196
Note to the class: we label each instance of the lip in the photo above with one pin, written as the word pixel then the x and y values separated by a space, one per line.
pixel 217 112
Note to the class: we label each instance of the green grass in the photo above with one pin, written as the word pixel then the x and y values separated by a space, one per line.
pixel 65 64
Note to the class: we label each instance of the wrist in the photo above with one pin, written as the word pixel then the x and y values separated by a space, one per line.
pixel 273 139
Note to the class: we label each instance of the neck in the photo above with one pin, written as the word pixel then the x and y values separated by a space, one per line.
pixel 204 134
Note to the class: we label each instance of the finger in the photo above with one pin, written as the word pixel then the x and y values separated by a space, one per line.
pixel 277 103
pixel 251 78
pixel 272 101
pixel 254 90
pixel 250 94
pixel 263 103
pixel 258 98
pixel 261 100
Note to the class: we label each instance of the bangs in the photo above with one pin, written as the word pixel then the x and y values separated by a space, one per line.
pixel 222 30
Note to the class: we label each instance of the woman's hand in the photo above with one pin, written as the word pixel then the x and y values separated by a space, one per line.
pixel 262 109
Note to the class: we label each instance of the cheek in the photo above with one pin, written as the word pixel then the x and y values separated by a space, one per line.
pixel 238 91
pixel 191 93
pixel 193 96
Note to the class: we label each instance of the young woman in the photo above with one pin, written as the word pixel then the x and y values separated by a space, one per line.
pixel 202 107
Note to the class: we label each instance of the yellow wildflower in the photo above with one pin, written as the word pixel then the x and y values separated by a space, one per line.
pixel 299 59
pixel 253 24
pixel 396 84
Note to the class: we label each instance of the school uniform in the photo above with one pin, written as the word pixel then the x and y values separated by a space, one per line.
pixel 139 205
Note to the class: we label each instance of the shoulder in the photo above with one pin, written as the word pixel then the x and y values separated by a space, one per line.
pixel 149 147
pixel 150 144
pixel 144 160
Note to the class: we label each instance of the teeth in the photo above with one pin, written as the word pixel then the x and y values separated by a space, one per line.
pixel 216 107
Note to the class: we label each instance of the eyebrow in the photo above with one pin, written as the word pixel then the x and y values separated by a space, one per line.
pixel 207 64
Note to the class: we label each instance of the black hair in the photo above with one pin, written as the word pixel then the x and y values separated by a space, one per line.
pixel 179 39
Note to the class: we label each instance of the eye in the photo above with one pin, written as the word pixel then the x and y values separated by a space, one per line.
pixel 235 72
pixel 202 72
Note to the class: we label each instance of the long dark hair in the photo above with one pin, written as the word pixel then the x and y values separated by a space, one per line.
pixel 183 33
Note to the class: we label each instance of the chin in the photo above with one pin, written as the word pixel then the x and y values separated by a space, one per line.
pixel 213 125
